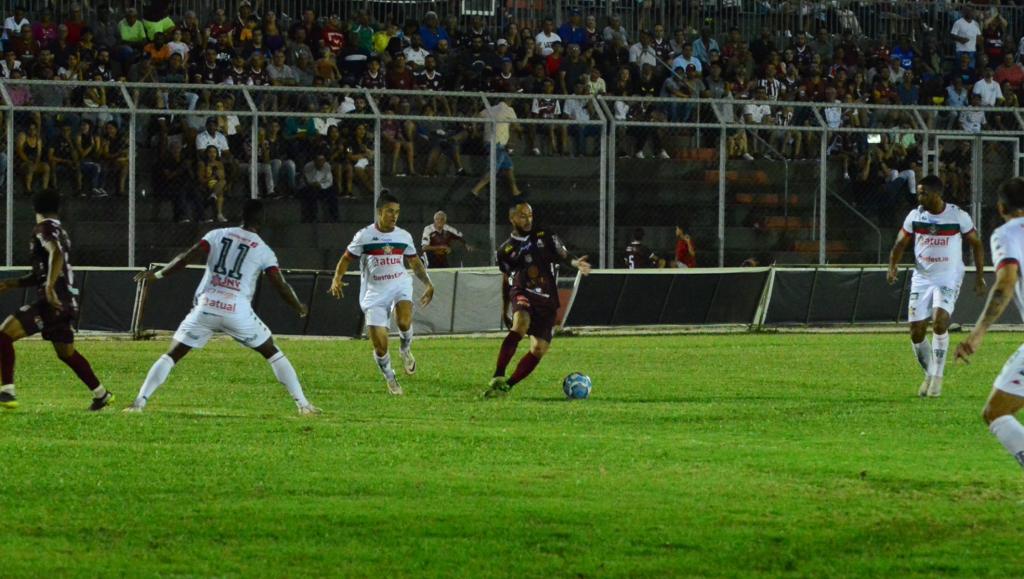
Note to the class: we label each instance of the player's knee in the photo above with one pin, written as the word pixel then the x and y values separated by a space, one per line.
pixel 538 350
pixel 941 326
pixel 988 414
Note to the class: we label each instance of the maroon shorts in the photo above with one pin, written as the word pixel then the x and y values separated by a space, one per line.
pixel 542 317
pixel 55 325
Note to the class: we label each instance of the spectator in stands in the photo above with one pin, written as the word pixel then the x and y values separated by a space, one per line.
pixel 642 53
pixel 703 46
pixel 415 54
pixel 1010 72
pixel 63 157
pixel 176 184
pixel 399 138
pixel 213 179
pixel 972 121
pixel 45 30
pixel 440 140
pixel 686 251
pixel 399 77
pixel 581 110
pixel 503 115
pixel 547 38
pixel 115 155
pixel 14 24
pixel 572 30
pixel 615 31
pixel 686 58
pixel 437 241
pixel 29 148
pixel 319 190
pixel 88 150
pixel 594 37
pixel 988 89
pixel 282 166
pixel 966 34
pixel 574 69
pixel 638 255
pixel 758 113
pixel 132 36
pixel 360 161
pixel 432 32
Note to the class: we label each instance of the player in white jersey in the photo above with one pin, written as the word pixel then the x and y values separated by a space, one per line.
pixel 938 230
pixel 382 249
pixel 1007 397
pixel 235 258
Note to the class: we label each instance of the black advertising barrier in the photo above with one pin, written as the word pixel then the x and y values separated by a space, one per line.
pixel 333 317
pixel 667 297
pixel 106 300
pixel 275 312
pixel 169 300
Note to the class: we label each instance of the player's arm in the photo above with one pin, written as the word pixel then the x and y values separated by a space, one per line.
pixel 338 284
pixel 10 283
pixel 902 241
pixel 1002 293
pixel 194 254
pixel 55 266
pixel 579 263
pixel 978 249
pixel 286 291
pixel 421 274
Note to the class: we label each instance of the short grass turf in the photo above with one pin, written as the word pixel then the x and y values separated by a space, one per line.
pixel 733 455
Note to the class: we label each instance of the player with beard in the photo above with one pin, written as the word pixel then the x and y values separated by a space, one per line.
pixel 529 288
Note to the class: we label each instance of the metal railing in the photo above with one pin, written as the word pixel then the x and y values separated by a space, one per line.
pixel 593 196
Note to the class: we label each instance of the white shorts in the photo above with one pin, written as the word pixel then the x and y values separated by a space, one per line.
pixel 244 326
pixel 926 295
pixel 377 305
pixel 1011 378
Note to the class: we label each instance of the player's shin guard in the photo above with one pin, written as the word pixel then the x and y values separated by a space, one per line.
pixel 405 339
pixel 6 359
pixel 80 366
pixel 940 345
pixel 285 374
pixel 157 375
pixel 508 349
pixel 1011 434
pixel 523 369
pixel 923 351
pixel 384 363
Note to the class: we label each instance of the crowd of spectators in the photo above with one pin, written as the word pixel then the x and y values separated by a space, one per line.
pixel 562 60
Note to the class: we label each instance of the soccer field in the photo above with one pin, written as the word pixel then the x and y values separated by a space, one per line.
pixel 732 455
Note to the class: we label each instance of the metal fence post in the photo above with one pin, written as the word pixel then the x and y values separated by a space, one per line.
pixel 493 191
pixel 602 226
pixel 132 168
pixel 9 201
pixel 822 194
pixel 254 152
pixel 722 157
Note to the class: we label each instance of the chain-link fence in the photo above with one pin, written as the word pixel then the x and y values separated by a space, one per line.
pixel 146 169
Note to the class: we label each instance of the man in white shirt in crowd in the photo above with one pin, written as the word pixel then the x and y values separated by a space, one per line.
pixel 988 89
pixel 966 33
pixel 319 190
pixel 687 59
pixel 547 38
pixel 13 24
pixel 499 131
pixel 757 113
pixel 642 52
pixel 580 110
pixel 415 54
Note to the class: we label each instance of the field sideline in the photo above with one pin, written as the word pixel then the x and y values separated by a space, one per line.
pixel 728 455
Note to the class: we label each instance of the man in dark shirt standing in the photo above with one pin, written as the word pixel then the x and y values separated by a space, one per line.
pixel 529 286
pixel 638 255
pixel 55 308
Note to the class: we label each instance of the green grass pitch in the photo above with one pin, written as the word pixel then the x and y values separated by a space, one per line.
pixel 730 455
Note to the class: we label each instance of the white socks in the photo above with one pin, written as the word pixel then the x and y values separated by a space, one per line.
pixel 285 374
pixel 384 363
pixel 940 344
pixel 8 389
pixel 406 339
pixel 157 375
pixel 1011 434
pixel 99 392
pixel 923 351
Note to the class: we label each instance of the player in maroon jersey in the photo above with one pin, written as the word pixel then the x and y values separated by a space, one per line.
pixel 55 308
pixel 529 287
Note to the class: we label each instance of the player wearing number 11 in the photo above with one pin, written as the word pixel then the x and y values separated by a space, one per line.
pixel 235 258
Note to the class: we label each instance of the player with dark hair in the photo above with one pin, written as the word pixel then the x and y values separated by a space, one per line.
pixel 1007 396
pixel 529 287
pixel 235 258
pixel 638 255
pixel 55 308
pixel 937 229
pixel 385 286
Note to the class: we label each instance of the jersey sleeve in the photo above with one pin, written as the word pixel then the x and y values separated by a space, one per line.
pixel 455 232
pixel 425 239
pixel 410 246
pixel 1005 249
pixel 557 248
pixel 210 239
pixel 355 248
pixel 269 260
pixel 966 224
pixel 504 263
pixel 46 232
pixel 908 224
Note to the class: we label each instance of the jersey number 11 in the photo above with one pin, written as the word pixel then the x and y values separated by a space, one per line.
pixel 225 249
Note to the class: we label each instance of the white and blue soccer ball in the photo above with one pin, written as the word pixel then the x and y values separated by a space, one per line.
pixel 576 386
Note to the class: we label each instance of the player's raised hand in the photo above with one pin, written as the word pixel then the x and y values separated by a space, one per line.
pixel 980 287
pixel 8 284
pixel 893 275
pixel 303 310
pixel 582 264
pixel 337 288
pixel 428 296
pixel 148 276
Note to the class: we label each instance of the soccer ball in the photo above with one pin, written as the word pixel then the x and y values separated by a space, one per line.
pixel 576 386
